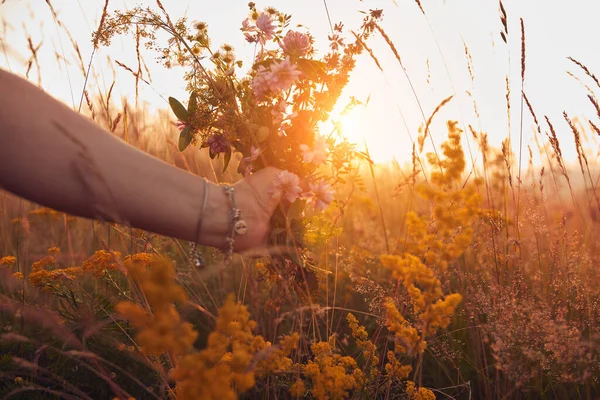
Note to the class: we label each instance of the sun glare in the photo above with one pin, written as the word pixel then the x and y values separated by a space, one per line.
pixel 357 128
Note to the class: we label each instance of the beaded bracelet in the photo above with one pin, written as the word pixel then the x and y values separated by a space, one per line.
pixel 195 255
pixel 237 226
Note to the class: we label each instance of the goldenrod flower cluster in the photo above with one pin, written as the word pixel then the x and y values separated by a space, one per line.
pixel 359 333
pixel 418 394
pixel 425 292
pixel 8 261
pixel 454 209
pixel 160 329
pixel 45 276
pixel 226 366
pixel 101 262
pixel 331 375
pixel 432 245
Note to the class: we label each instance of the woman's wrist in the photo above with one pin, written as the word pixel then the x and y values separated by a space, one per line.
pixel 215 219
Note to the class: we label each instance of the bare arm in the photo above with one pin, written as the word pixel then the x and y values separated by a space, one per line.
pixel 53 156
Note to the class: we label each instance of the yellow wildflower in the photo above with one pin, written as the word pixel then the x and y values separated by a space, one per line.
pixel 418 394
pixel 53 251
pixel 277 359
pixel 8 261
pixel 298 389
pixel 101 262
pixel 331 375
pixel 222 369
pixel 407 337
pixel 53 279
pixel 45 263
pixel 142 258
pixel 162 330
pixel 394 368
pixel 359 333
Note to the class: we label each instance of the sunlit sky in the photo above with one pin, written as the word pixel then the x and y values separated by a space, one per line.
pixel 431 48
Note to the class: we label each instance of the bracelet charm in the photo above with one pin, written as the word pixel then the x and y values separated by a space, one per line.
pixel 237 224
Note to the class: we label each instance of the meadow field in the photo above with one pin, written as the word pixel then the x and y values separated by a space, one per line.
pixel 469 270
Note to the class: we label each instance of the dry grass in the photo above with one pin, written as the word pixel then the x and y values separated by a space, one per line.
pixel 523 254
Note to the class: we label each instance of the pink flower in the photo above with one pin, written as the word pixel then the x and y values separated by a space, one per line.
pixel 180 124
pixel 296 44
pixel 261 83
pixel 254 153
pixel 246 26
pixel 322 195
pixel 278 111
pixel 250 38
pixel 318 154
pixel 217 144
pixel 247 161
pixel 265 24
pixel 286 185
pixel 284 74
pixel 279 77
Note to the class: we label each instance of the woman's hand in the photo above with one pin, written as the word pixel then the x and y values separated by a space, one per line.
pixel 256 201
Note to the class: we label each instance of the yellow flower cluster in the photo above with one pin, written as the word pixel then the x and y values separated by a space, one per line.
pixel 8 261
pixel 225 367
pixel 432 245
pixel 408 338
pixel 101 262
pixel 448 170
pixel 359 333
pixel 394 368
pixel 277 359
pixel 418 394
pixel 454 208
pixel 160 329
pixel 425 292
pixel 45 276
pixel 46 262
pixel 331 375
pixel 267 274
pixel 139 258
pixel 53 279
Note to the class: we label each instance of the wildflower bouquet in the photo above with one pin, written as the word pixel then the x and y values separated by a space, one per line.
pixel 270 115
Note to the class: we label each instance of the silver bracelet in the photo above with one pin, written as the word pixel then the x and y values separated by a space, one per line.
pixel 195 255
pixel 237 225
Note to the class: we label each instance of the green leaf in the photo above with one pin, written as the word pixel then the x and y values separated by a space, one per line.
pixel 315 70
pixel 178 109
pixel 264 63
pixel 238 146
pixel 185 138
pixel 226 159
pixel 192 103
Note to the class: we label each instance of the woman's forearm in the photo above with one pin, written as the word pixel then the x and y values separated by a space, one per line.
pixel 53 156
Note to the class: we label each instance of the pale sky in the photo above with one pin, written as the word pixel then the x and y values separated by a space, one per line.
pixel 555 29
